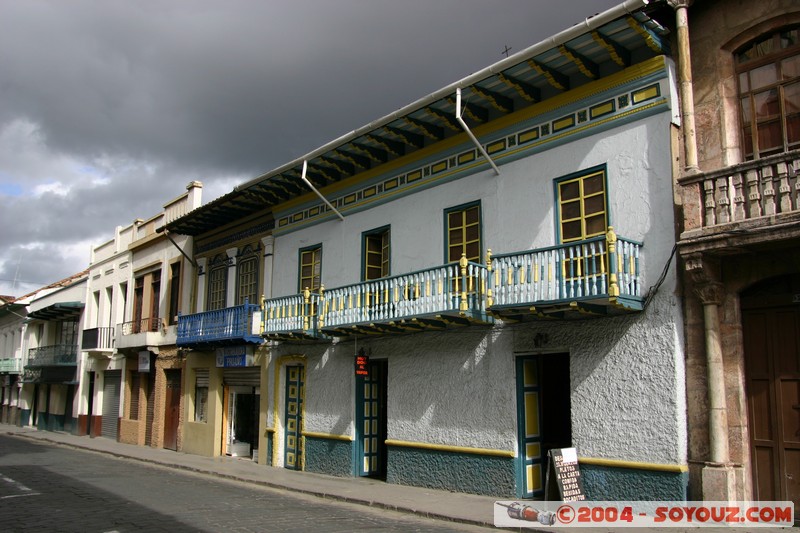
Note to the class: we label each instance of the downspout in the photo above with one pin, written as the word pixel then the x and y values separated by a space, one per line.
pixel 460 120
pixel 311 186
pixel 685 81
pixel 163 229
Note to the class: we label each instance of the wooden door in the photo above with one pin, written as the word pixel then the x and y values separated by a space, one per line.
pixel 372 421
pixel 172 409
pixel 773 394
pixel 293 441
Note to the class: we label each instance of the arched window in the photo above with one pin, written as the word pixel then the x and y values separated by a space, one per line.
pixel 768 71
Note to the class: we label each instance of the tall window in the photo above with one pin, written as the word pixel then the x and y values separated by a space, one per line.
pixel 247 274
pixel 463 232
pixel 174 292
pixel 217 283
pixel 201 395
pixel 376 254
pixel 68 333
pixel 311 268
pixel 769 93
pixel 582 206
pixel 155 298
pixel 138 302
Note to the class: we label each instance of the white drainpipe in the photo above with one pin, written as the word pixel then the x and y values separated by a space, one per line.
pixel 468 132
pixel 304 178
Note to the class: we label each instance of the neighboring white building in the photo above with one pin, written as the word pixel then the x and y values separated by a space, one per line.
pixel 12 333
pixel 51 350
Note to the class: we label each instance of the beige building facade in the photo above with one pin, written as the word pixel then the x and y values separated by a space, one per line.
pixel 739 68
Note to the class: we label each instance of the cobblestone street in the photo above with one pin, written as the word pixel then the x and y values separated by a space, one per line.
pixel 49 488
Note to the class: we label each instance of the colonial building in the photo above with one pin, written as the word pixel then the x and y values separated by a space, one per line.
pixel 460 286
pixel 225 363
pixel 740 195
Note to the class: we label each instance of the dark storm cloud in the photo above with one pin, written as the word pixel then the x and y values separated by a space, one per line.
pixel 205 89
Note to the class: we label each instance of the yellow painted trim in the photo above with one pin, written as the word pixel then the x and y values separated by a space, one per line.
pixel 279 364
pixel 616 463
pixel 631 73
pixel 645 94
pixel 446 448
pixel 328 436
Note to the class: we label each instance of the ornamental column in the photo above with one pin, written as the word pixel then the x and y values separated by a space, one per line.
pixel 719 474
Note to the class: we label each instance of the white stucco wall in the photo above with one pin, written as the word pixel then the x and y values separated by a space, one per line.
pixel 518 208
pixel 458 387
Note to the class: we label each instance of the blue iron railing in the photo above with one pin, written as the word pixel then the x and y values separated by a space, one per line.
pixel 232 324
pixel 53 355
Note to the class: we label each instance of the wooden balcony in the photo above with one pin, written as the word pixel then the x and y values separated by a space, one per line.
pixel 743 205
pixel 53 355
pixel 223 327
pixel 594 277
pixel 292 318
pixel 432 299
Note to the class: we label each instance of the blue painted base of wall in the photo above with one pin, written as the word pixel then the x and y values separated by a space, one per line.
pixel 614 484
pixel 328 456
pixel 457 472
pixel 24 417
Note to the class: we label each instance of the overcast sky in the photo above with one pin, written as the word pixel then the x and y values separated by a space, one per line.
pixel 108 108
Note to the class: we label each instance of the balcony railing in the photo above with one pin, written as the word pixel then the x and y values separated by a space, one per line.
pixel 10 366
pixel 746 191
pixel 447 295
pixel 233 325
pixel 598 275
pixel 54 355
pixel 100 339
pixel 291 317
pixel 143 325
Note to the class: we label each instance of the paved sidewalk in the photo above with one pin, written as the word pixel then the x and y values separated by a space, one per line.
pixel 456 507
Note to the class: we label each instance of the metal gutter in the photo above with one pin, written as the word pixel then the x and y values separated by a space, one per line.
pixel 588 24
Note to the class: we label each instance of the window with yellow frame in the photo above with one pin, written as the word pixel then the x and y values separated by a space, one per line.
pixel 376 254
pixel 582 210
pixel 463 233
pixel 311 268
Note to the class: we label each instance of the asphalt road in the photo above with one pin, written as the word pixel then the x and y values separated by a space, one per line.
pixel 50 488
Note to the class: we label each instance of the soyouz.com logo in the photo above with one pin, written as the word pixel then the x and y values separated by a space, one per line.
pixel 643 514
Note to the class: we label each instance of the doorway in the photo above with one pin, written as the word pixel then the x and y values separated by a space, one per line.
pixel 543 417
pixel 771 334
pixel 242 421
pixel 172 409
pixel 371 420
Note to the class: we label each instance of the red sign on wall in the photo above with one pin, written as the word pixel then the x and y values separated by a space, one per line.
pixel 362 365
